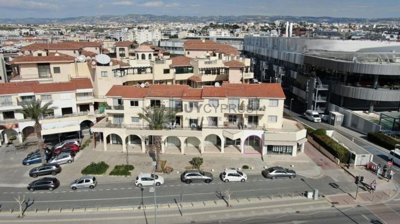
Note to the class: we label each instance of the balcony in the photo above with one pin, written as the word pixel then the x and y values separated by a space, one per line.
pixel 248 75
pixel 6 104
pixel 115 109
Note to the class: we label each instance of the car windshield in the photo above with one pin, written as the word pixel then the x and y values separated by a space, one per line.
pixel 154 176
pixel 202 173
pixel 240 173
pixel 316 116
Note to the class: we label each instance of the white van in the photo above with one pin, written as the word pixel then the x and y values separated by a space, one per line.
pixel 396 155
pixel 312 115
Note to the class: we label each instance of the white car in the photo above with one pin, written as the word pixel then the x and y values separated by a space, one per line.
pixel 84 182
pixel 147 179
pixel 64 157
pixel 313 116
pixel 233 175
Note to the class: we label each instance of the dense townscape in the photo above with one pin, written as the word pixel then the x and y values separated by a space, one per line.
pixel 212 119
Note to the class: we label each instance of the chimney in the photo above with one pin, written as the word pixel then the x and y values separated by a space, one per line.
pixel 287 29
pixel 291 30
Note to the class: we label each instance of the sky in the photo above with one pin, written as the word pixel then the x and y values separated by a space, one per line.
pixel 73 8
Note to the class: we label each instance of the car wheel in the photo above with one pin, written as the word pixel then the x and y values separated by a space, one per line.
pixel 34 175
pixel 31 189
pixel 91 186
pixel 140 185
pixel 51 189
pixel 69 161
pixel 226 181
pixel 53 173
pixel 243 180
pixel 272 177
pixel 73 188
pixel 207 181
pixel 188 181
pixel 158 183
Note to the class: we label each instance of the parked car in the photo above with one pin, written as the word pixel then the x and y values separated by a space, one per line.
pixel 46 169
pixel 84 182
pixel 72 149
pixel 32 158
pixel 313 116
pixel 64 157
pixel 70 141
pixel 233 175
pixel 147 179
pixel 395 156
pixel 45 183
pixel 277 171
pixel 196 176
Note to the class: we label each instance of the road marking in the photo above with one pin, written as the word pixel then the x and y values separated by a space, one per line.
pixel 108 189
pixel 130 188
pixel 122 188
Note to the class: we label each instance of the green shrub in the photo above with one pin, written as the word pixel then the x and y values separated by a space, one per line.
pixel 122 170
pixel 245 167
pixel 196 162
pixel 95 168
pixel 331 145
pixel 383 140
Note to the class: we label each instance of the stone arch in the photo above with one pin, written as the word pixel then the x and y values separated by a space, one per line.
pixel 173 144
pixel 134 143
pixel 114 139
pixel 28 131
pixel 252 144
pixel 149 57
pixel 8 133
pixel 86 124
pixel 192 145
pixel 143 56
pixel 232 145
pixel 213 143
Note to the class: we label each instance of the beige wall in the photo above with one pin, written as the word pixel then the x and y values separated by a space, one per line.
pixel 235 75
pixel 29 71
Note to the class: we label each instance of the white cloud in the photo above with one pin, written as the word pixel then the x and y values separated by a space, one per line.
pixel 159 4
pixel 24 4
pixel 123 2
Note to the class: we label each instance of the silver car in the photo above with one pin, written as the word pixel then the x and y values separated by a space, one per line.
pixel 84 182
pixel 64 157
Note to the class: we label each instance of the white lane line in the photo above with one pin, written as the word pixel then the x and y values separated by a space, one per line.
pixel 108 189
pixel 122 188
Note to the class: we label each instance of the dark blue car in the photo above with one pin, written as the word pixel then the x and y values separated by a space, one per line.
pixel 32 158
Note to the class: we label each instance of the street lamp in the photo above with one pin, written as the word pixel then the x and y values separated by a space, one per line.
pixel 290 106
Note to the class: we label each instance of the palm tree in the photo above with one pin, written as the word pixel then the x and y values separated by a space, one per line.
pixel 157 118
pixel 35 110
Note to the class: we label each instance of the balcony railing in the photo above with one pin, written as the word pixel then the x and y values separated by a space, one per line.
pixel 4 104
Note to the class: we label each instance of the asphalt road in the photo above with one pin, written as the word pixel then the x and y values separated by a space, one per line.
pixel 109 195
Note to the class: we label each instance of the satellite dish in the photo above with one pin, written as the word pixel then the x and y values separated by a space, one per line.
pixel 81 58
pixel 103 59
pixel 217 84
pixel 142 85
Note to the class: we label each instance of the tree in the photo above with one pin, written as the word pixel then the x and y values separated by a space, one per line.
pixel 20 201
pixel 35 110
pixel 196 162
pixel 157 118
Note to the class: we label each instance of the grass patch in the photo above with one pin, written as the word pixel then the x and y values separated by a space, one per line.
pixel 95 168
pixel 122 170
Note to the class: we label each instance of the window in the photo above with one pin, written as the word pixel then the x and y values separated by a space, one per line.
pixel 155 103
pixel 134 103
pixel 39 54
pixel 44 70
pixel 143 57
pixel 8 115
pixel 177 104
pixel 118 119
pixel 188 52
pixel 149 56
pixel 252 120
pixel 272 118
pixel 5 101
pixel 46 97
pixel 213 102
pixel 213 121
pixel 166 71
pixel 233 103
pixel 273 103
pixel 135 119
pixel 56 70
pixel 254 104
pixel 117 102
pixel 104 74
pixel 122 49
pixel 232 118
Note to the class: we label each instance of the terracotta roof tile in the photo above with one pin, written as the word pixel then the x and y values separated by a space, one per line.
pixel 195 78
pixel 120 63
pixel 144 48
pixel 180 61
pixel 61 46
pixel 265 90
pixel 234 64
pixel 52 57
pixel 123 43
pixel 36 87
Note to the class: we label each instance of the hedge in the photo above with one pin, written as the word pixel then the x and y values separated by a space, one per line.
pixel 85 144
pixel 383 140
pixel 122 170
pixel 331 145
pixel 95 168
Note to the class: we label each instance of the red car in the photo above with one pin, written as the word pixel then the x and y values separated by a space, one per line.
pixel 67 147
